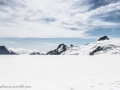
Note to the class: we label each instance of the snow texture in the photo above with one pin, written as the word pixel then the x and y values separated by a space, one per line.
pixel 108 47
pixel 60 72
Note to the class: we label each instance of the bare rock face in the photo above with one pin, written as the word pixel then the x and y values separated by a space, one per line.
pixel 103 38
pixel 96 50
pixel 35 53
pixel 71 45
pixel 61 48
pixel 5 51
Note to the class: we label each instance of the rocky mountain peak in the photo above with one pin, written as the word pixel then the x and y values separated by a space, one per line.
pixel 103 38
pixel 61 48
pixel 5 51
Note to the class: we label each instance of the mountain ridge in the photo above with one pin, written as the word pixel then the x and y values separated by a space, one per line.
pixel 107 47
pixel 103 46
pixel 5 51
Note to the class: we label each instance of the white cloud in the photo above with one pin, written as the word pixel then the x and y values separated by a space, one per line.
pixel 37 30
pixel 53 18
pixel 23 51
pixel 94 17
pixel 49 44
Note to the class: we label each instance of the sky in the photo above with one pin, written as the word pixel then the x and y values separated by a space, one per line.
pixel 44 24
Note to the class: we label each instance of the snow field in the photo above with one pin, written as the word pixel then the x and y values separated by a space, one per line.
pixel 60 72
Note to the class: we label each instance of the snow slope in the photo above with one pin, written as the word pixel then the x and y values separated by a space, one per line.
pixel 60 72
pixel 109 47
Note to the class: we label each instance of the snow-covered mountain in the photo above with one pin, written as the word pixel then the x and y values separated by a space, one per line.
pixel 19 51
pixel 5 51
pixel 60 49
pixel 100 47
pixel 104 46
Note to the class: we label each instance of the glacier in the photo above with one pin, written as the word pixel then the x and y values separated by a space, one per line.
pixel 60 72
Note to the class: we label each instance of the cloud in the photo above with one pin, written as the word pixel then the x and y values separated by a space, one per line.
pixel 56 18
pixel 12 3
pixel 99 3
pixel 37 30
pixel 49 44
pixel 23 51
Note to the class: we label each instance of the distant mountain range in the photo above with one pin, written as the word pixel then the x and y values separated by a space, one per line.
pixel 100 47
pixel 5 51
pixel 103 46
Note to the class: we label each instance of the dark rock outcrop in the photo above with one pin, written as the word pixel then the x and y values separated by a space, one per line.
pixel 35 53
pixel 61 48
pixel 5 51
pixel 103 38
pixel 96 50
pixel 71 45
